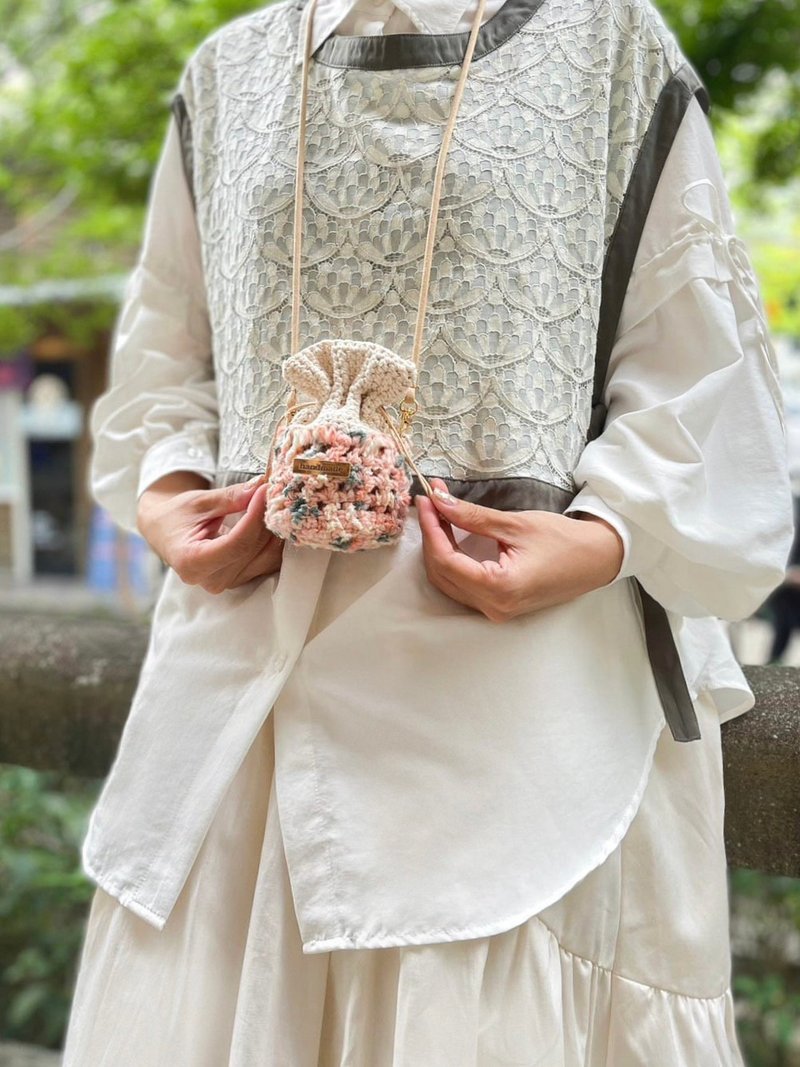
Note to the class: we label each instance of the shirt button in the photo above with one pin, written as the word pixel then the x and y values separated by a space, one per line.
pixel 193 451
pixel 279 661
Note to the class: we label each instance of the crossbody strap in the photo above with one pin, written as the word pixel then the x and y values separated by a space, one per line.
pixel 437 186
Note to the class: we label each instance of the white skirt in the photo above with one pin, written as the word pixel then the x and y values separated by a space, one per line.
pixel 630 968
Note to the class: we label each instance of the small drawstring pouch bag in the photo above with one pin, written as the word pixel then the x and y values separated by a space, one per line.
pixel 338 471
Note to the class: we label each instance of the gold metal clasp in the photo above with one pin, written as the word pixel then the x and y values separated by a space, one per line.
pixel 407 409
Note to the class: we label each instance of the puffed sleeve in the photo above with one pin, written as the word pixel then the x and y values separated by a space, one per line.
pixel 159 412
pixel 691 466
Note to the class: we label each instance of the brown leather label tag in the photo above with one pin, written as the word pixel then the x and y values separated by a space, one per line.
pixel 320 466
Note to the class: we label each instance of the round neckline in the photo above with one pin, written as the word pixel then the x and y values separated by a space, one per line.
pixel 402 51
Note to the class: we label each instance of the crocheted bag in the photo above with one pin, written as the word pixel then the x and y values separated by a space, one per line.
pixel 339 479
pixel 338 470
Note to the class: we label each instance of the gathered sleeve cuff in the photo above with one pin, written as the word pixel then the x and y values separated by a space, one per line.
pixel 691 467
pixel 638 555
pixel 159 412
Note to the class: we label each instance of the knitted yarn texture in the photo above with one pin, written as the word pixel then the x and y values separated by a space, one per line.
pixel 337 479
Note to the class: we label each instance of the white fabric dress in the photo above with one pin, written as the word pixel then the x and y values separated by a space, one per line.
pixel 631 964
pixel 631 968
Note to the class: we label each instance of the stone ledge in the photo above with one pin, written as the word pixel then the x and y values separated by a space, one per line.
pixel 66 684
pixel 13 1054
pixel 761 762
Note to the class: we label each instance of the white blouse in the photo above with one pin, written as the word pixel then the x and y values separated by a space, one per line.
pixel 503 762
pixel 357 17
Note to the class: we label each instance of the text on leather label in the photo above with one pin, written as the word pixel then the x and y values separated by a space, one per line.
pixel 320 466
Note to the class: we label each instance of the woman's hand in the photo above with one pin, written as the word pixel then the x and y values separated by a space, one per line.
pixel 543 558
pixel 183 524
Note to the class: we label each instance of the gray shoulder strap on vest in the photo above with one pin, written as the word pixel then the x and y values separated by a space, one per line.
pixel 178 109
pixel 671 107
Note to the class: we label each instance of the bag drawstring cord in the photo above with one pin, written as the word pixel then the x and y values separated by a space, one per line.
pixel 408 406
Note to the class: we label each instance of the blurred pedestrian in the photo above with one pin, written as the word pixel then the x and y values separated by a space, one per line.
pixel 782 606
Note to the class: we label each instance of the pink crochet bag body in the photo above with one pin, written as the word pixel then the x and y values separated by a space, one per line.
pixel 339 468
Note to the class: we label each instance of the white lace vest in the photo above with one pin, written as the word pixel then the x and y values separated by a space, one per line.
pixel 569 112
pixel 556 107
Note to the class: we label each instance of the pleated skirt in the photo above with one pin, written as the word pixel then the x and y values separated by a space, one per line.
pixel 630 968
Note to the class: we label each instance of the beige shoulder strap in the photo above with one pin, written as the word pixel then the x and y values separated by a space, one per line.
pixel 437 185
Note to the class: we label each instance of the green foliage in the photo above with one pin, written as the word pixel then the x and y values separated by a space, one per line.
pixel 768 1023
pixel 44 898
pixel 767 215
pixel 110 79
pixel 84 106
pixel 734 44
pixel 15 330
pixel 778 269
pixel 766 982
pixel 92 115
pixel 748 54
pixel 84 103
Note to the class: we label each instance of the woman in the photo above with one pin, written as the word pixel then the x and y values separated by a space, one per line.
pixel 417 805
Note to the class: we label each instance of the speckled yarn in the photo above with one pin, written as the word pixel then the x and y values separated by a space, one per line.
pixel 344 382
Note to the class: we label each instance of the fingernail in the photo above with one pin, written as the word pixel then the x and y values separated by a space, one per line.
pixel 251 482
pixel 445 498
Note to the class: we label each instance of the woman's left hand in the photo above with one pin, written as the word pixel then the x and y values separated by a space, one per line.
pixel 544 558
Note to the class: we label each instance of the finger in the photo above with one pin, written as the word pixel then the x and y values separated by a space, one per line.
pixel 229 499
pixel 453 591
pixel 434 528
pixel 443 523
pixel 495 604
pixel 242 541
pixel 266 561
pixel 443 554
pixel 474 518
pixel 267 558
pixel 478 585
pixel 463 594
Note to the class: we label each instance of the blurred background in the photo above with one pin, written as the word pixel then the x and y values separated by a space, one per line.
pixel 84 103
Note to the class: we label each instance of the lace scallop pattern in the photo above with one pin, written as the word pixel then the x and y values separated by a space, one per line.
pixel 544 147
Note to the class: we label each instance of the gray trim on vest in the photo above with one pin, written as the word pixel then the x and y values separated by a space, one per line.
pixel 506 494
pixel 402 51
pixel 178 108
pixel 675 98
pixel 672 103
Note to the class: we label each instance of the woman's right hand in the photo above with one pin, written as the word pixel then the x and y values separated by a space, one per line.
pixel 183 522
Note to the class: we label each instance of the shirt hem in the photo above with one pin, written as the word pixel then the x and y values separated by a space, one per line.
pixel 123 896
pixel 498 926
